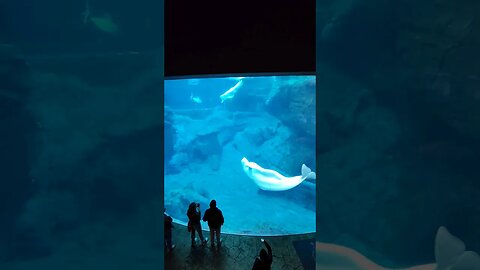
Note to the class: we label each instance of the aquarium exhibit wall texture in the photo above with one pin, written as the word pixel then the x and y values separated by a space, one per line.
pixel 82 182
pixel 249 144
pixel 80 185
pixel 398 133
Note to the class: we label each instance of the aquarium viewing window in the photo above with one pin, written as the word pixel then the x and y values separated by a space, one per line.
pixel 247 142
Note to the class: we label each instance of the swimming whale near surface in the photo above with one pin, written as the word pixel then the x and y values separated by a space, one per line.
pixel 230 93
pixel 267 179
pixel 195 99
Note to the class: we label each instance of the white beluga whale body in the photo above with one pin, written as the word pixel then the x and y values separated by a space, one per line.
pixel 230 93
pixel 195 99
pixel 267 179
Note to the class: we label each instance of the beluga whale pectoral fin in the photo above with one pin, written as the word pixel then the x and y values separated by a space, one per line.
pixel 267 179
pixel 230 93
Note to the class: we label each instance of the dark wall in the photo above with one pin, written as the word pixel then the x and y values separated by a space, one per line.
pixel 244 37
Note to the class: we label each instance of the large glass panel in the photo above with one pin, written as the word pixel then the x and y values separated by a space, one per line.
pixel 249 144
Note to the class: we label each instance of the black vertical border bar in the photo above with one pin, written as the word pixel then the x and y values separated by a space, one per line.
pixel 162 137
pixel 317 133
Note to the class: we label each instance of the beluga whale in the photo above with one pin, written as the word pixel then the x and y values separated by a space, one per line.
pixel 195 99
pixel 272 180
pixel 230 93
pixel 103 23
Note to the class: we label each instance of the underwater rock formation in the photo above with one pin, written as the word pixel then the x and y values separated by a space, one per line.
pixel 84 143
pixel 355 137
pixel 420 52
pixel 45 214
pixel 329 16
pixel 111 182
pixel 418 62
pixel 14 73
pixel 357 36
pixel 299 96
pixel 269 147
pixel 268 141
pixel 339 101
pixel 17 144
pixel 349 112
pixel 77 117
pixel 373 159
pixel 198 140
pixel 438 46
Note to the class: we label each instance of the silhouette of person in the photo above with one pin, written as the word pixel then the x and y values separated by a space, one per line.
pixel 264 261
pixel 194 216
pixel 215 220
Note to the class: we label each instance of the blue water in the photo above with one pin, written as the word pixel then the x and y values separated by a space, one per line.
pixel 270 121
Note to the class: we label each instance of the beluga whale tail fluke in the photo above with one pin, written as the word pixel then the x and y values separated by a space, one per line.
pixel 272 180
pixel 307 173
